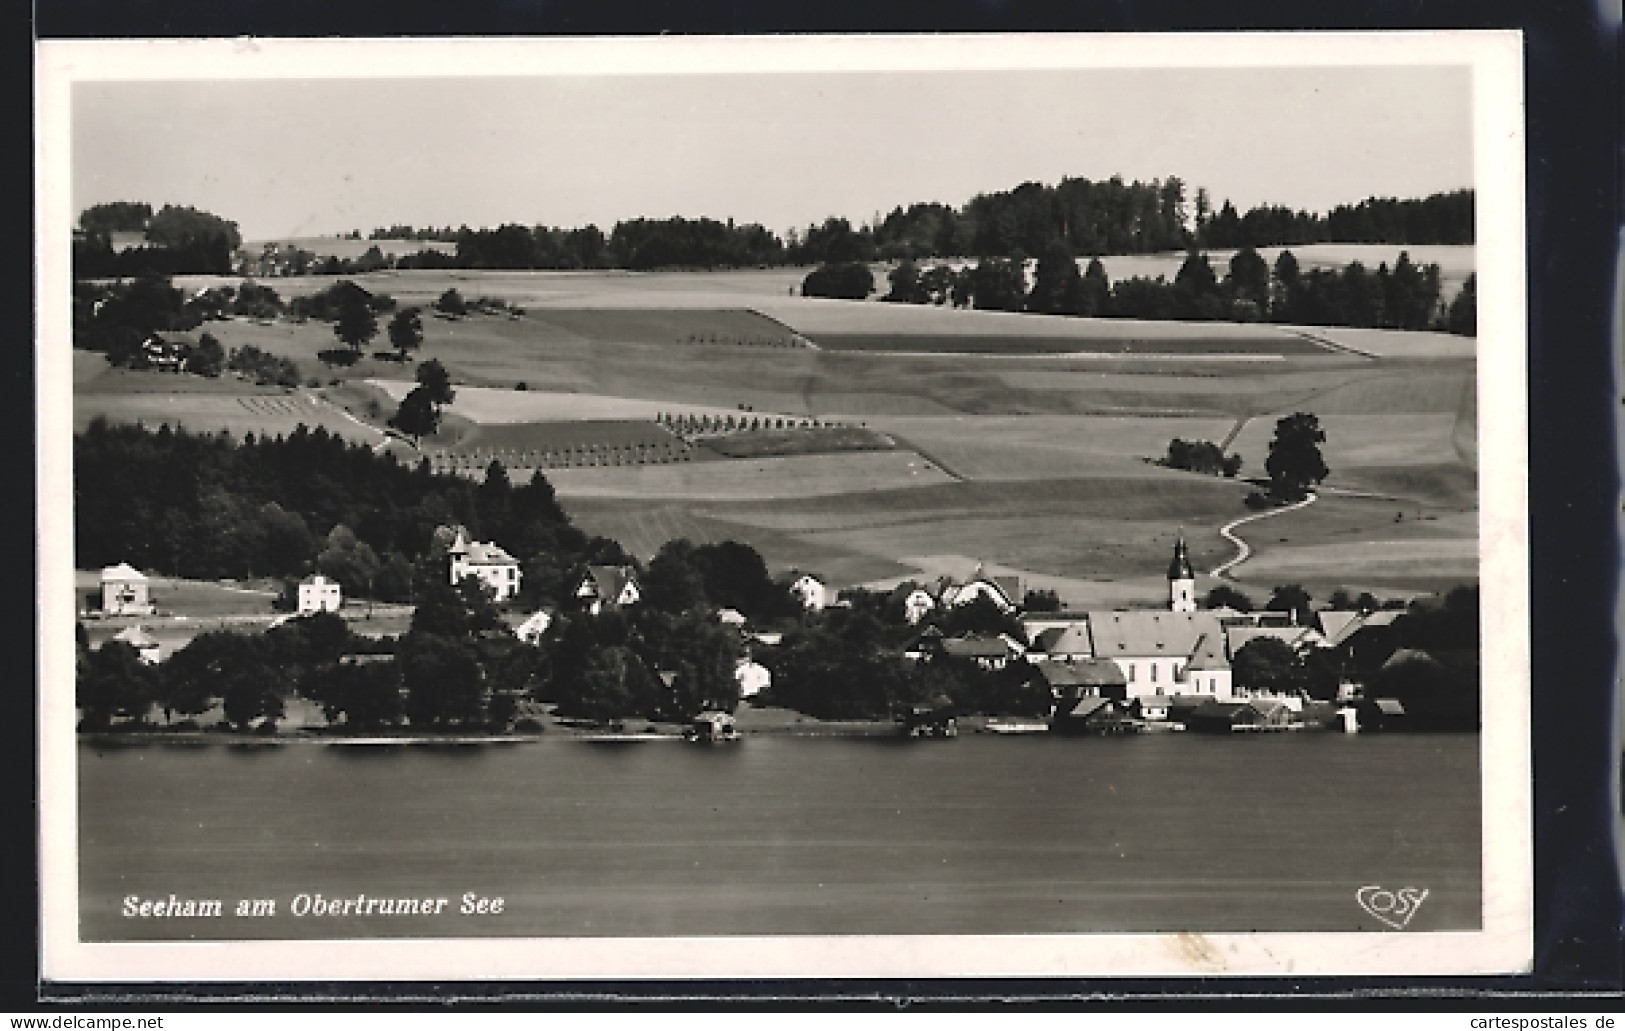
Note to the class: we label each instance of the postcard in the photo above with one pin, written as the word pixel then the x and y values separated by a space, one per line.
pixel 783 507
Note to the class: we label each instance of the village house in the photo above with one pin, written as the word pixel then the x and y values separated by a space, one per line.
pixel 752 677
pixel 1084 678
pixel 811 592
pixel 497 570
pixel 319 594
pixel 917 604
pixel 731 618
pixel 1003 591
pixel 534 627
pixel 1068 643
pixel 161 354
pixel 146 646
pixel 1093 715
pixel 987 651
pixel 125 591
pixel 608 587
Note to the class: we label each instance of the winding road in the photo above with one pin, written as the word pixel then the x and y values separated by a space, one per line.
pixel 1244 550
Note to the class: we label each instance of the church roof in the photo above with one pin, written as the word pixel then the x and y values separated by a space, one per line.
pixel 1148 633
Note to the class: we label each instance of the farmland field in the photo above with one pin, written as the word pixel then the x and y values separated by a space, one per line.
pixel 250 412
pixel 795 476
pixel 1030 452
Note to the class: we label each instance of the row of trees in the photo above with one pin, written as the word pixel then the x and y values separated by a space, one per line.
pixel 1406 296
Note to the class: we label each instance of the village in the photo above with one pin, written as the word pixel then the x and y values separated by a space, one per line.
pixel 1185 667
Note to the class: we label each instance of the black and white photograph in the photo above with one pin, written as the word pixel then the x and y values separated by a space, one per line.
pixel 783 507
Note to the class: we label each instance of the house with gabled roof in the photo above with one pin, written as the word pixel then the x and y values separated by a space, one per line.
pixel 319 594
pixel 608 587
pixel 1070 643
pixel 1084 678
pixel 1002 591
pixel 987 651
pixel 125 591
pixel 487 562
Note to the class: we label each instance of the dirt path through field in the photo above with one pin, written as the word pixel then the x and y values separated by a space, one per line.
pixel 1244 550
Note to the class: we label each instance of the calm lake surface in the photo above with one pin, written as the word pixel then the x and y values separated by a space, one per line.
pixel 784 835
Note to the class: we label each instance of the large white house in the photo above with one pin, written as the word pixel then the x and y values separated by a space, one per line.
pixel 319 594
pixel 486 561
pixel 124 591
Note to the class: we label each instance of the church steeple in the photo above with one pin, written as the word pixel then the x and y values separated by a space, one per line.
pixel 1181 579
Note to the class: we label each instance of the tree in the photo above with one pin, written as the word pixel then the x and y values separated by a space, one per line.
pixel 356 323
pixel 451 303
pixel 674 583
pixel 1268 664
pixel 367 696
pixel 997 284
pixel 1249 278
pixel 444 682
pixel 1097 289
pixel 1295 464
pixel 850 280
pixel 418 415
pixel 1294 599
pixel 1057 285
pixel 406 331
pixel 207 358
pixel 114 681
pixel 1224 595
pixel 1463 317
pixel 906 287
pixel 434 378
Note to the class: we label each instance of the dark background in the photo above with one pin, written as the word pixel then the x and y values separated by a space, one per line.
pixel 1574 189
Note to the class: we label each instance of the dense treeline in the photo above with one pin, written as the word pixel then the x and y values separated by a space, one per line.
pixel 1086 217
pixel 207 506
pixel 1443 218
pixel 1405 296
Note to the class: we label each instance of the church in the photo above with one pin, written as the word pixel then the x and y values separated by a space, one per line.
pixel 1181 651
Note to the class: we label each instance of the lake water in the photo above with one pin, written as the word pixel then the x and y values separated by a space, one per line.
pixel 785 835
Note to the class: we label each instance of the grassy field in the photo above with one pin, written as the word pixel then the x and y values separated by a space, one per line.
pixel 820 440
pixel 252 411
pixel 1035 462
pixel 794 476
pixel 1128 343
